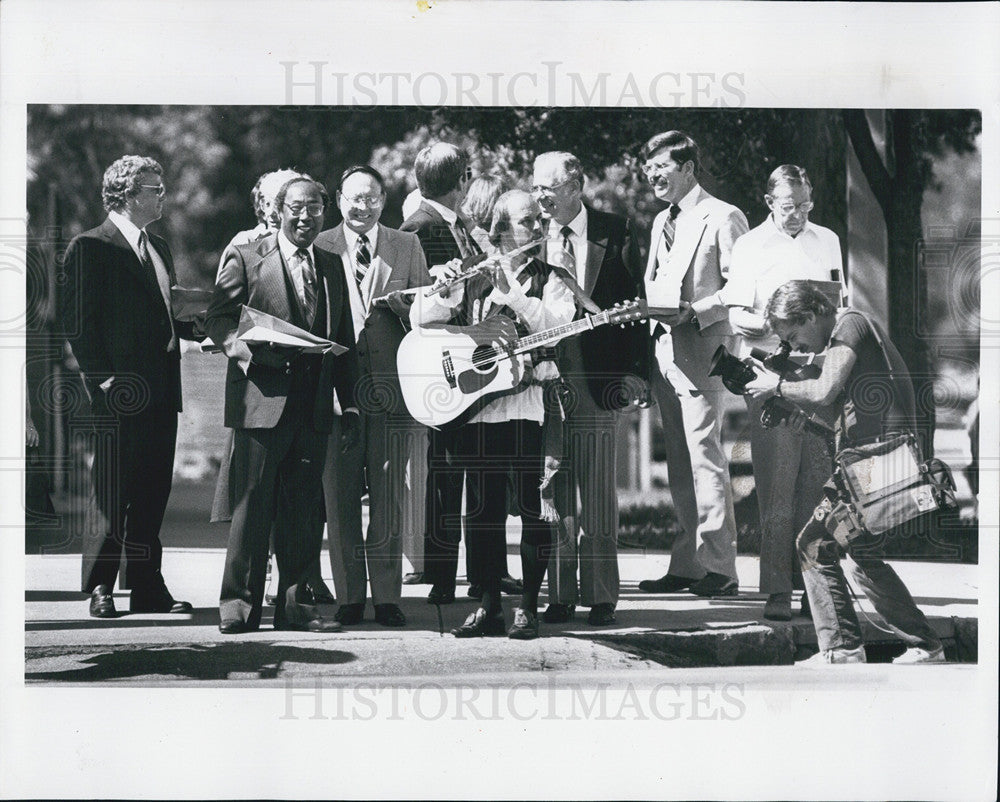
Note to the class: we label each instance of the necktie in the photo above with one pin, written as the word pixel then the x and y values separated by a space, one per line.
pixel 363 258
pixel 308 278
pixel 568 251
pixel 465 244
pixel 162 279
pixel 669 230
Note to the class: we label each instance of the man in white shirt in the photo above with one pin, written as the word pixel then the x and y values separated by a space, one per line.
pixel 789 467
pixel 116 309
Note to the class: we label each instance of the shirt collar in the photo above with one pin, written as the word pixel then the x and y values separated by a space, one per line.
pixel 288 248
pixel 691 198
pixel 129 229
pixel 351 237
pixel 578 224
pixel 448 214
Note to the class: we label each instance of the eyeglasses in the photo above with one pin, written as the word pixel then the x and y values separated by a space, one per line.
pixel 788 208
pixel 539 189
pixel 363 200
pixel 160 189
pixel 651 168
pixel 311 209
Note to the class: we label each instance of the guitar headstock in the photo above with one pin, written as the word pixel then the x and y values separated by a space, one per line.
pixel 626 312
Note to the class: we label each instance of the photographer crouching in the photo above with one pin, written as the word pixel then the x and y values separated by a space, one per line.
pixel 859 357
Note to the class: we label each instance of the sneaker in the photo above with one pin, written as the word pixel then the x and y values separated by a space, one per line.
pixel 917 654
pixel 525 626
pixel 828 656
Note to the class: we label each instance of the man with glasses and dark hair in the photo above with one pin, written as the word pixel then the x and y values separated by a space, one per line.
pixel 603 370
pixel 442 170
pixel 689 258
pixel 378 263
pixel 280 402
pixel 117 313
pixel 789 468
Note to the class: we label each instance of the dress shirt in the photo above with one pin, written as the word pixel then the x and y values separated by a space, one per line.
pixel 579 239
pixel 764 259
pixel 131 233
pixel 288 249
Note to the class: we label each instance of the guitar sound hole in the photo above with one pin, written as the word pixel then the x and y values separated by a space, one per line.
pixel 484 359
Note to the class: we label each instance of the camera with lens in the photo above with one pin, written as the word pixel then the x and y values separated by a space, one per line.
pixel 736 374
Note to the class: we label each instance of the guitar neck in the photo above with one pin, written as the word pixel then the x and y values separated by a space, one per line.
pixel 554 335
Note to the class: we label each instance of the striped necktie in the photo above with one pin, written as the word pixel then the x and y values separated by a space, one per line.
pixel 669 231
pixel 363 260
pixel 568 251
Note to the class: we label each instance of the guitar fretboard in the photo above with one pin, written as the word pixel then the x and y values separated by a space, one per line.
pixel 558 333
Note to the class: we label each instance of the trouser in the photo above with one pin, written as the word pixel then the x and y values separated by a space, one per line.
pixel 278 475
pixel 443 506
pixel 712 548
pixel 132 476
pixel 789 471
pixel 498 452
pixel 833 613
pixel 384 444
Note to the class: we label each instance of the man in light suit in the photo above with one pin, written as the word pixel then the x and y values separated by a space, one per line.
pixel 604 369
pixel 689 258
pixel 377 262
pixel 280 402
pixel 116 311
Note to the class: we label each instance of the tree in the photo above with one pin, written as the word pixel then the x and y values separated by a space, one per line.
pixel 913 140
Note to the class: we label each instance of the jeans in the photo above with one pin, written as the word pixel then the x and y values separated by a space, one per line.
pixel 834 616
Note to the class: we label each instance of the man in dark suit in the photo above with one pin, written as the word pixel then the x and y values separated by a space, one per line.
pixel 280 402
pixel 604 370
pixel 377 263
pixel 117 311
pixel 441 171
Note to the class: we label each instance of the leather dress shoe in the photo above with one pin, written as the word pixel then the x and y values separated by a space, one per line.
pixel 511 586
pixel 668 583
pixel 322 594
pixel 475 592
pixel 441 596
pixel 715 586
pixel 102 603
pixel 415 578
pixel 389 615
pixel 159 601
pixel 235 626
pixel 479 625
pixel 778 607
pixel 525 626
pixel 308 624
pixel 601 615
pixel 558 613
pixel 350 614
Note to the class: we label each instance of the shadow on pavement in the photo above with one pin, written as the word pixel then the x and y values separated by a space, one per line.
pixel 256 660
pixel 200 616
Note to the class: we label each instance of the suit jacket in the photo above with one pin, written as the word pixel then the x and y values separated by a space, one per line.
pixel 115 318
pixel 435 235
pixel 397 264
pixel 696 270
pixel 613 273
pixel 255 275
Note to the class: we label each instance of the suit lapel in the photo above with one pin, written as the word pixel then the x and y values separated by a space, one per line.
pixel 597 244
pixel 330 268
pixel 274 280
pixel 145 273
pixel 384 262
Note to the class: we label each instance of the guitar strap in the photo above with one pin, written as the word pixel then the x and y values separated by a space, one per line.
pixel 581 297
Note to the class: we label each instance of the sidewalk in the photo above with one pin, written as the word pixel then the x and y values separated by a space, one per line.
pixel 677 630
